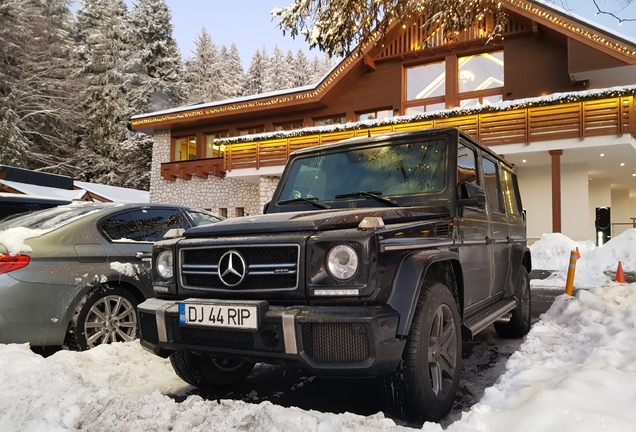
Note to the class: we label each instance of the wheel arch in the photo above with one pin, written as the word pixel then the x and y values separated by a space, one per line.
pixel 414 271
pixel 135 290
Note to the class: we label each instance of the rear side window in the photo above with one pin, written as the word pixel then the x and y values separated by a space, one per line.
pixel 510 196
pixel 491 184
pixel 154 223
pixel 199 218
pixel 122 227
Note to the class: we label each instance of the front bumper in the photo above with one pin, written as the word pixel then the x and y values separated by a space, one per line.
pixel 327 340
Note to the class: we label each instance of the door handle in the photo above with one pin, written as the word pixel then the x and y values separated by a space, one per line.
pixel 489 240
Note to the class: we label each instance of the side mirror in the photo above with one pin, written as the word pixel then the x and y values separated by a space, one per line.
pixel 472 195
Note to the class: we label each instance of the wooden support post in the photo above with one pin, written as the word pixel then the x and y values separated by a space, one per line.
pixel 556 190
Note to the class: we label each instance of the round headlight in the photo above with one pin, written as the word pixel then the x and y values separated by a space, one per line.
pixel 342 262
pixel 164 264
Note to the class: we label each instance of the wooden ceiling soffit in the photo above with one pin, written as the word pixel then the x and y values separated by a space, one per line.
pixel 572 28
pixel 413 38
pixel 166 120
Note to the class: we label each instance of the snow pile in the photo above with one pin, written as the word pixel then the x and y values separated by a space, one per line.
pixel 576 371
pixel 13 239
pixel 127 269
pixel 552 252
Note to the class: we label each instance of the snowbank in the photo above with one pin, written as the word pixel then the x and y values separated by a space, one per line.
pixel 552 252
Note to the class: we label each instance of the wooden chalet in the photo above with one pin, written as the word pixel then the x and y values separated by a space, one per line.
pixel 554 94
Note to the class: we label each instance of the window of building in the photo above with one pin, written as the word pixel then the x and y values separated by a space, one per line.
pixel 480 80
pixel 213 150
pixel 298 124
pixel 223 212
pixel 185 148
pixel 326 121
pixel 251 130
pixel 376 115
pixel 240 211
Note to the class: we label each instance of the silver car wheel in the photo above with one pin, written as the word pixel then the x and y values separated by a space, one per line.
pixel 111 319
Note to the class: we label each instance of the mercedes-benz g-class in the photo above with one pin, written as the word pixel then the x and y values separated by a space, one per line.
pixel 373 258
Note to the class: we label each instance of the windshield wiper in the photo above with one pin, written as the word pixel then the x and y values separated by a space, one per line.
pixel 371 194
pixel 313 201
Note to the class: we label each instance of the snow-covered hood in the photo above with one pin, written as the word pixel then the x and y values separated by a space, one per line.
pixel 317 220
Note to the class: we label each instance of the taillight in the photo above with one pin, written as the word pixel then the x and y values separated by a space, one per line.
pixel 8 263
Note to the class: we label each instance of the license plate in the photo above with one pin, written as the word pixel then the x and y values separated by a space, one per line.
pixel 215 315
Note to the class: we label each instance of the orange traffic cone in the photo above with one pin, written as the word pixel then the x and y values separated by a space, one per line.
pixel 578 254
pixel 620 277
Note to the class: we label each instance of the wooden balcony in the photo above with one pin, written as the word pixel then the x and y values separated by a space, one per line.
pixel 185 170
pixel 579 120
pixel 611 117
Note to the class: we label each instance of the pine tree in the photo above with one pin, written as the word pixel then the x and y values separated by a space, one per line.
pixel 153 80
pixel 232 75
pixel 278 74
pixel 255 77
pixel 102 52
pixel 203 71
pixel 156 58
pixel 38 112
pixel 301 70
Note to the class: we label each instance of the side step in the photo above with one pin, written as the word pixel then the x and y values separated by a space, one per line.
pixel 483 318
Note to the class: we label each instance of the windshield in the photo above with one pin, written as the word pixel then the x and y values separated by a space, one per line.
pixel 391 170
pixel 50 218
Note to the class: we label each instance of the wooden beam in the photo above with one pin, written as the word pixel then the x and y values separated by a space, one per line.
pixel 369 63
pixel 535 31
pixel 556 190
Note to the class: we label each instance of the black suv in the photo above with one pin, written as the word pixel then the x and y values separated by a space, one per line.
pixel 374 257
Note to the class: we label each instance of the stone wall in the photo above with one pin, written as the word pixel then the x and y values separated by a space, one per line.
pixel 212 193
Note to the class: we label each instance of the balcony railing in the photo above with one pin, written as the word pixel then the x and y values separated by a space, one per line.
pixel 602 117
pixel 187 169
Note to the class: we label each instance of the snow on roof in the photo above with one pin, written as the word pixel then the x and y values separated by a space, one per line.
pixel 549 4
pixel 44 191
pixel 114 193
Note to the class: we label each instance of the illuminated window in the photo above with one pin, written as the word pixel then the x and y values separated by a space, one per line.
pixel 376 115
pixel 213 150
pixel 186 148
pixel 427 81
pixel 480 81
pixel 289 126
pixel 338 119
pixel 251 130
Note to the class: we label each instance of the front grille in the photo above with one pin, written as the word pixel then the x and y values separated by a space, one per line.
pixel 263 340
pixel 148 327
pixel 267 267
pixel 336 342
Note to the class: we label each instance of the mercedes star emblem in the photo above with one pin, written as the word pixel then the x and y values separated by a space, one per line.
pixel 232 268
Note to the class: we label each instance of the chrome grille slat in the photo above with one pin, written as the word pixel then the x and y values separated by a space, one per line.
pixel 269 267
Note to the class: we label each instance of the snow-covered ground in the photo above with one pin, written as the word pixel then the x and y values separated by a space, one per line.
pixel 575 371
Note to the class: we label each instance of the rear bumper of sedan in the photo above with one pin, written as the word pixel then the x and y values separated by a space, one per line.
pixel 329 341
pixel 34 313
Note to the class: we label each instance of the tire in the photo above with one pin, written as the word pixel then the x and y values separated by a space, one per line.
pixel 105 314
pixel 424 386
pixel 203 371
pixel 519 324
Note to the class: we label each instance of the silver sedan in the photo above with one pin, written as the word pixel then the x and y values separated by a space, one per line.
pixel 73 275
